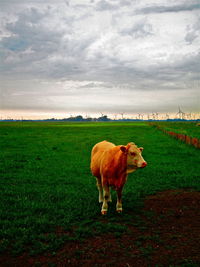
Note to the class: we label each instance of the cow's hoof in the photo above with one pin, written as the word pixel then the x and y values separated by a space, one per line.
pixel 119 211
pixel 103 212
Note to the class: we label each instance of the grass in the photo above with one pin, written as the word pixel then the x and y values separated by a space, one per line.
pixel 46 182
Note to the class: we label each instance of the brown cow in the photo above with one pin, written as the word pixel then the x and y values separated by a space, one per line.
pixel 111 164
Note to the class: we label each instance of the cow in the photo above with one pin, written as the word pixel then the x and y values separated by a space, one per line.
pixel 111 164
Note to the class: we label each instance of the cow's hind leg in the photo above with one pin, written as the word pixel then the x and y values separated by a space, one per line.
pixel 119 200
pixel 109 198
pixel 99 186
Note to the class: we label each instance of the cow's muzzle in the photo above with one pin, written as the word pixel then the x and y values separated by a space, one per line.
pixel 144 164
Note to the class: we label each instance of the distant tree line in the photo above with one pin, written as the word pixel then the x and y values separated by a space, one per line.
pixel 103 118
pixel 80 118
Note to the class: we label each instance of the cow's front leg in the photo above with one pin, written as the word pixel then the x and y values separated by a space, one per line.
pixel 106 198
pixel 99 186
pixel 119 200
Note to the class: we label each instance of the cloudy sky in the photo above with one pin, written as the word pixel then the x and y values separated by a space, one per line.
pixel 99 56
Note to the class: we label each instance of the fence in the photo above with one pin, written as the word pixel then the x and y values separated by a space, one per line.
pixel 182 137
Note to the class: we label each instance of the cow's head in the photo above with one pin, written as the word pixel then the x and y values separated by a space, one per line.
pixel 134 156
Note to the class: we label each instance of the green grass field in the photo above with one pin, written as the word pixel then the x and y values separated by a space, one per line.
pixel 46 181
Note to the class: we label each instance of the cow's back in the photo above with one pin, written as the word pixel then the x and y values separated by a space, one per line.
pixel 97 155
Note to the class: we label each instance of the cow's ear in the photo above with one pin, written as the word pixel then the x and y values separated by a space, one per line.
pixel 123 149
pixel 141 149
pixel 131 143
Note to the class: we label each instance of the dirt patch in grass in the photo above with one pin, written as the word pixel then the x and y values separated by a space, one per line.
pixel 168 236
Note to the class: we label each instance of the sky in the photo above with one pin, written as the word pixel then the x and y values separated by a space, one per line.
pixel 93 57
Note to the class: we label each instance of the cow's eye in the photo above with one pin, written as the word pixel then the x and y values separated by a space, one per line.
pixel 133 153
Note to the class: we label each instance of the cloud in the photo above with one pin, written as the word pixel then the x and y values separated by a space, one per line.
pixel 140 29
pixel 100 54
pixel 71 45
pixel 105 5
pixel 193 32
pixel 168 9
